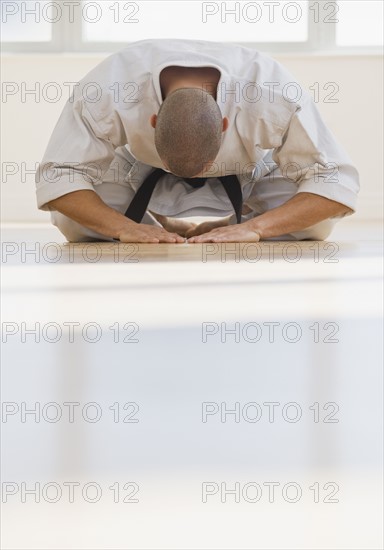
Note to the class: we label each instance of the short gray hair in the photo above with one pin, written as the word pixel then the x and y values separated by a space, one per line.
pixel 188 131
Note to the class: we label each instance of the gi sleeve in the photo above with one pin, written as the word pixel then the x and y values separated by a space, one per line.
pixel 311 156
pixel 80 150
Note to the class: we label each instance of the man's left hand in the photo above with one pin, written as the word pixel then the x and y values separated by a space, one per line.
pixel 243 232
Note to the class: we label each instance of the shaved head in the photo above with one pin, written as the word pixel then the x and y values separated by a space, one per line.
pixel 188 131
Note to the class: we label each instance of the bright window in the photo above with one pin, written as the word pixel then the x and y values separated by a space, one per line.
pixel 360 23
pixel 230 21
pixel 272 25
pixel 27 21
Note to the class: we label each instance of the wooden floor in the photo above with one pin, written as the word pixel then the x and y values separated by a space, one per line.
pixel 165 334
pixel 129 253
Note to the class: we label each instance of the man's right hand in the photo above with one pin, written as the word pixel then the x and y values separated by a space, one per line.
pixel 143 233
pixel 87 208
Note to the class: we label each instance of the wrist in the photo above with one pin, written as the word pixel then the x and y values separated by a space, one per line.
pixel 255 226
pixel 124 227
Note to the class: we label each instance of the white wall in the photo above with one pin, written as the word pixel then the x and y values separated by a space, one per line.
pixel 355 119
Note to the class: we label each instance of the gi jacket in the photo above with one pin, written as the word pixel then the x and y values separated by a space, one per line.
pixel 270 117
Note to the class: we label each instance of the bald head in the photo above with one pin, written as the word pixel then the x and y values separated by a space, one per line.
pixel 188 131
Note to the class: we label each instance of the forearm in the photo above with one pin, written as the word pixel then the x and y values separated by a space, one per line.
pixel 301 211
pixel 87 208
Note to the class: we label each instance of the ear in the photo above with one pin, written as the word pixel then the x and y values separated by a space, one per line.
pixel 153 121
pixel 225 123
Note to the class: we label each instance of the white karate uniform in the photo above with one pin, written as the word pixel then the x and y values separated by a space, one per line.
pixel 276 142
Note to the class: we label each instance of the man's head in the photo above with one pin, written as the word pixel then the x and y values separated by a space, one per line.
pixel 188 131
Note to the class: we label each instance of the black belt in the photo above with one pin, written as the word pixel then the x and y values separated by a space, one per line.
pixel 140 201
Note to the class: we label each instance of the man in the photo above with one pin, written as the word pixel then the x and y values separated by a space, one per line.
pixel 168 129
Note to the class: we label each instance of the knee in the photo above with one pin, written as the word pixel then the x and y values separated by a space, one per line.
pixel 73 231
pixel 318 232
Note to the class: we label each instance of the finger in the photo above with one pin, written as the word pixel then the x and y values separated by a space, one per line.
pixel 144 239
pixel 150 237
pixel 172 238
pixel 248 237
pixel 195 239
pixel 198 240
pixel 218 237
pixel 179 238
pixel 169 234
pixel 167 240
pixel 165 236
pixel 204 237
